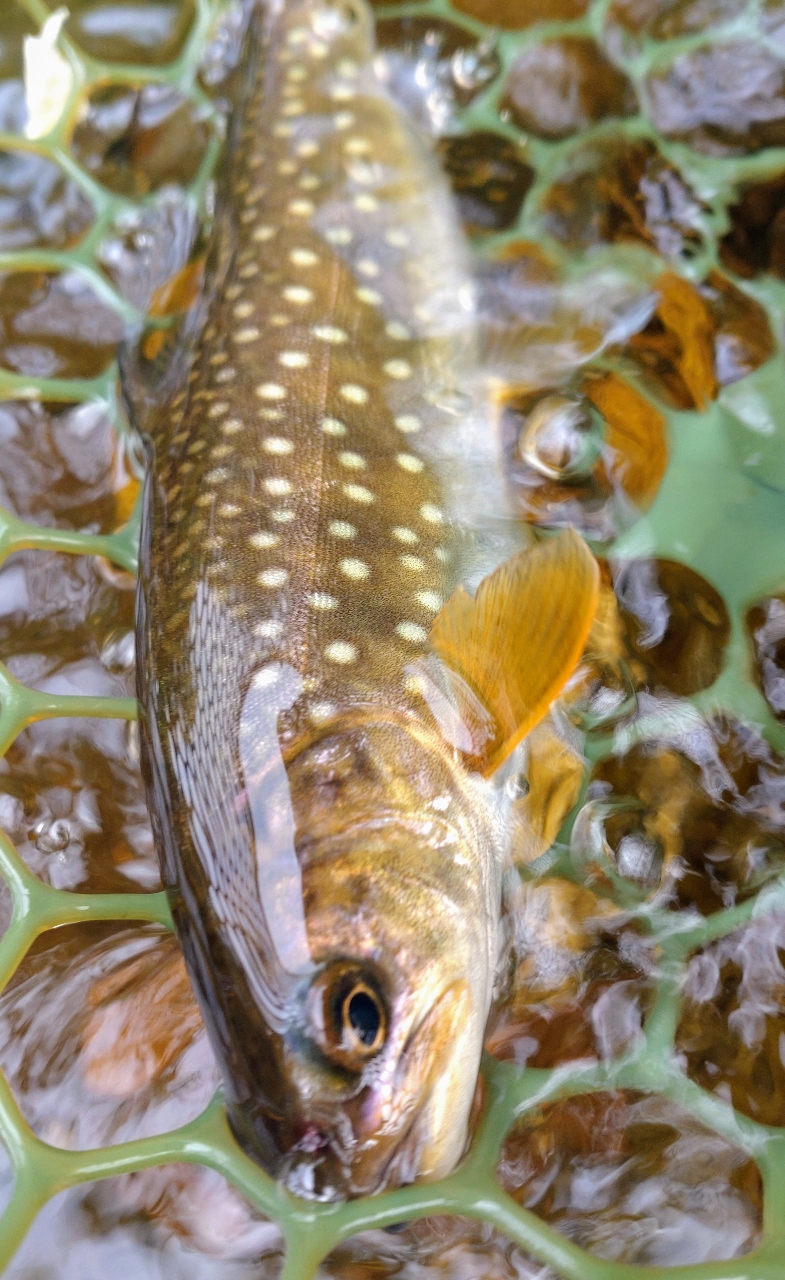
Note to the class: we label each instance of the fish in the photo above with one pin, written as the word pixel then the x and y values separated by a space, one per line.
pixel 344 634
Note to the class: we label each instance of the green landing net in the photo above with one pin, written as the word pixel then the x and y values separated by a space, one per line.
pixel 710 513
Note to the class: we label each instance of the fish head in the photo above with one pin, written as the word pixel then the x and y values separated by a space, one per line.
pixel 383 1036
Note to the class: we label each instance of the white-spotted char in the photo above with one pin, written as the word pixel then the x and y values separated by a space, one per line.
pixel 323 712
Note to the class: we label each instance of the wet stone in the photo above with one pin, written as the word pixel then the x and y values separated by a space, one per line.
pixel 64 466
pixel 66 626
pixel 771 20
pixel 766 629
pixel 433 66
pixel 101 1038
pixel 613 191
pixel 580 981
pixel 676 623
pixel 634 1178
pixel 152 32
pixel 559 87
pixel 699 339
pixel 39 206
pixel 732 1028
pixel 489 178
pixel 724 99
pixel 629 20
pixel 54 326
pixel 675 349
pixel 435 1248
pixel 756 239
pixel 516 15
pixel 711 794
pixel 591 454
pixel 74 806
pixel 135 141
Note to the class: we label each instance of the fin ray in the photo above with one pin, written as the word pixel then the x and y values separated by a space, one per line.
pixel 517 642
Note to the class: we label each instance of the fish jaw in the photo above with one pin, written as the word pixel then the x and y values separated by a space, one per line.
pixel 405 907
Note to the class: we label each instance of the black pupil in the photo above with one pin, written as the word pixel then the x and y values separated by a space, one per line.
pixel 364 1017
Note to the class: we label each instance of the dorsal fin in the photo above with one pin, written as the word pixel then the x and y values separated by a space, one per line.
pixel 517 642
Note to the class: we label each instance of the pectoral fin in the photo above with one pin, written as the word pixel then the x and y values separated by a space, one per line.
pixel 517 642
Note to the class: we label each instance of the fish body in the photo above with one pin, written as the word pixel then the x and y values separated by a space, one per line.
pixel 317 489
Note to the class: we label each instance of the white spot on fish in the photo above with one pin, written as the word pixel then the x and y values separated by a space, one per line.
pixel 407 422
pixel 340 651
pixel 333 427
pixel 413 563
pixel 268 630
pixel 405 535
pixel 284 515
pixel 354 394
pixel 321 600
pixel 246 335
pixel 369 295
pixel 431 513
pixel 341 529
pixel 354 461
pixel 303 257
pixel 409 462
pixel 339 235
pixel 367 267
pixel 263 541
pixel 278 486
pixel 357 570
pixel 329 333
pixel 429 600
pixel 412 632
pixel 397 368
pixel 358 493
pixel 272 578
pixel 294 359
pixel 277 444
pixel 298 294
pixel 271 391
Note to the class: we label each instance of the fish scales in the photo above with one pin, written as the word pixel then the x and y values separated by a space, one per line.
pixel 334 868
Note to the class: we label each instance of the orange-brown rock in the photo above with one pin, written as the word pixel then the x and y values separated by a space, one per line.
pixel 634 1178
pixel 588 455
pixel 515 15
pixel 53 325
pixel 556 88
pixel 756 239
pixel 766 628
pixel 676 624
pixel 490 179
pixel 713 800
pixel 153 34
pixel 724 99
pixel 437 56
pixel 665 19
pixel 733 1019
pixel 614 190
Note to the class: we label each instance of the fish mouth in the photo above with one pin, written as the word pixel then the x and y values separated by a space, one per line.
pixel 414 1130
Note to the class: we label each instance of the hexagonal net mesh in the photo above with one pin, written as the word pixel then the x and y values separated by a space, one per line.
pixel 566 191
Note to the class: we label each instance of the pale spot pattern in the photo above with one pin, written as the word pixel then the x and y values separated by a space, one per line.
pixel 341 651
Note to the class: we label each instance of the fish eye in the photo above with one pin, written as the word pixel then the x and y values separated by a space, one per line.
pixel 349 1015
pixel 362 1017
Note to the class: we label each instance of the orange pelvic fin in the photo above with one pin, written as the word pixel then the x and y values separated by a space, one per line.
pixel 518 641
